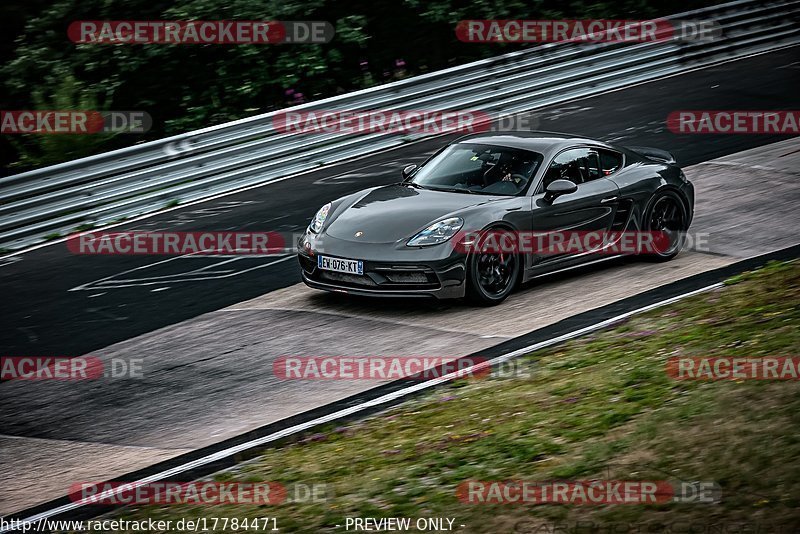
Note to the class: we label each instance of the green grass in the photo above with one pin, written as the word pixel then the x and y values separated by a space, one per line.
pixel 600 406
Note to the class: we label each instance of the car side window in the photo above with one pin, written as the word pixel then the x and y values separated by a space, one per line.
pixel 578 165
pixel 610 161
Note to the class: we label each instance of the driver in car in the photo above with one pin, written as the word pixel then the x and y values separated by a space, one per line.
pixel 498 171
pixel 518 172
pixel 509 169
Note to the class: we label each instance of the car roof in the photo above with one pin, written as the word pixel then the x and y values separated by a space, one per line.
pixel 542 142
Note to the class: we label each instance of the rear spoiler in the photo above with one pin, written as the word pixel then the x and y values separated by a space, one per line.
pixel 654 154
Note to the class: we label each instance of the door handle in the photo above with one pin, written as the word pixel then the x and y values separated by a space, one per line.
pixel 608 199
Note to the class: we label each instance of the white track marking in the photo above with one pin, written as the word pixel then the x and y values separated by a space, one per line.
pixel 112 282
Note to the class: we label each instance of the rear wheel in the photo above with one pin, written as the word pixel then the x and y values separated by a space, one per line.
pixel 491 274
pixel 667 216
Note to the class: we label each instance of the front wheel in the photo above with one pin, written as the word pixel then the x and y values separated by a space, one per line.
pixel 667 215
pixel 491 275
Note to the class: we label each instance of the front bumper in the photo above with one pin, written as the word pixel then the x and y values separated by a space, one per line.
pixel 388 272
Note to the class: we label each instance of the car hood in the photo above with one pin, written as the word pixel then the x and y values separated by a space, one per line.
pixel 396 212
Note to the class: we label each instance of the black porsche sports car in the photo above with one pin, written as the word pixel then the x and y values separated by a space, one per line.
pixel 407 239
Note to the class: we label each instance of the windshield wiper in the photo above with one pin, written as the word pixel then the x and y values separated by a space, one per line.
pixel 453 190
pixel 415 185
pixel 476 192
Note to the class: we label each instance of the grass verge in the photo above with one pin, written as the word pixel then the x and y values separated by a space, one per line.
pixel 598 407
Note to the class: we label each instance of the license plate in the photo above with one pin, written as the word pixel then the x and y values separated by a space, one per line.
pixel 340 266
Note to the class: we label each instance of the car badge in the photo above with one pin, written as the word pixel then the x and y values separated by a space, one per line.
pixel 359 233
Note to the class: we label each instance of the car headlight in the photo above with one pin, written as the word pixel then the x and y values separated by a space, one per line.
pixel 437 233
pixel 319 218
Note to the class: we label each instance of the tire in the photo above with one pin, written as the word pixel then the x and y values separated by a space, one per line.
pixel 667 213
pixel 491 277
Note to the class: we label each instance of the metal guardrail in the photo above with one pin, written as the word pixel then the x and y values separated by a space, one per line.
pixel 143 178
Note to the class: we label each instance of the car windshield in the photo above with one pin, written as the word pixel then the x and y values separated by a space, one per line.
pixel 481 169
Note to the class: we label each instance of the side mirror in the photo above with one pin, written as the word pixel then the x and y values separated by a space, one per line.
pixel 407 171
pixel 556 188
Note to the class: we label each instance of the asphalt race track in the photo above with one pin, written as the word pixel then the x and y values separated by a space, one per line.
pixel 208 343
pixel 42 316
